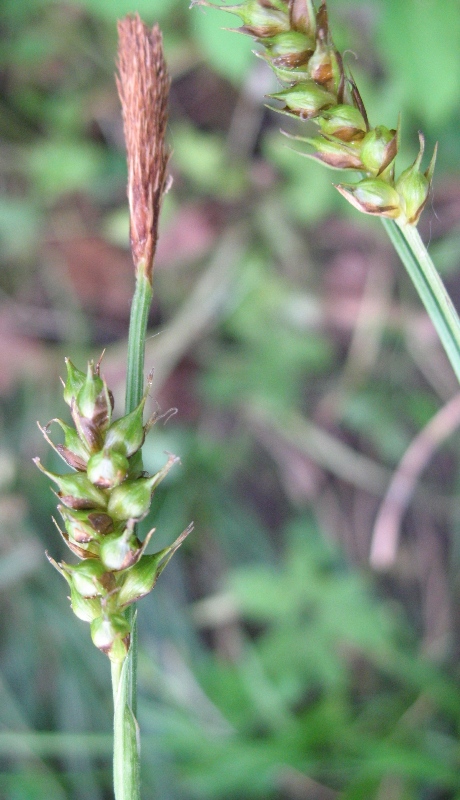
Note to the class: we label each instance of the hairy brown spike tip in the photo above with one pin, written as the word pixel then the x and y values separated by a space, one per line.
pixel 143 87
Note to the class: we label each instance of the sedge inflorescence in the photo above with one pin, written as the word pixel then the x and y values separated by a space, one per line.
pixel 298 46
pixel 143 87
pixel 101 501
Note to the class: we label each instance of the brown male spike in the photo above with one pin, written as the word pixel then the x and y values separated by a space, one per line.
pixel 143 86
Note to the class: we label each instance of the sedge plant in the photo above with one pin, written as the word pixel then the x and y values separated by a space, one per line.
pixel 108 493
pixel 296 42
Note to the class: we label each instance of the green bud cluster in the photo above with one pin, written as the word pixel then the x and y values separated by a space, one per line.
pixel 100 502
pixel 297 45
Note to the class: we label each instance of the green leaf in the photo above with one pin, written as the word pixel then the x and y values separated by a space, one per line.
pixel 432 292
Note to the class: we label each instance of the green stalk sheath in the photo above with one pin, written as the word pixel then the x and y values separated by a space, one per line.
pixel 414 255
pixel 126 756
pixel 136 340
pixel 126 764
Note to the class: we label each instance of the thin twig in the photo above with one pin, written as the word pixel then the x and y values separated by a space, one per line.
pixel 385 537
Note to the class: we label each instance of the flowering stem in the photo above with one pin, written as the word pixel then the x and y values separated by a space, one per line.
pixel 126 756
pixel 427 281
pixel 140 306
pixel 143 87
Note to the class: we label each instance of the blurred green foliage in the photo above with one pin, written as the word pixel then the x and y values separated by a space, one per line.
pixel 274 664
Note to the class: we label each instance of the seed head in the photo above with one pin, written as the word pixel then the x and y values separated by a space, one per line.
pixel 378 149
pixel 334 153
pixel 111 634
pixel 260 18
pixel 289 49
pixel 414 186
pixel 344 122
pixel 302 16
pixel 140 579
pixel 143 87
pixel 122 550
pixel 305 100
pixel 373 196
pixel 297 44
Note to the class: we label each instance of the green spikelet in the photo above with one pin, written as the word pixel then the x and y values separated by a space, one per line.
pixel 100 503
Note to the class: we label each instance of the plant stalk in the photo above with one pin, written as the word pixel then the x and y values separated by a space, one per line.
pixel 427 281
pixel 126 751
pixel 136 340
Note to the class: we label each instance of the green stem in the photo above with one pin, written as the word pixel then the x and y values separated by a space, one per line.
pixel 414 255
pixel 126 764
pixel 136 341
pixel 140 307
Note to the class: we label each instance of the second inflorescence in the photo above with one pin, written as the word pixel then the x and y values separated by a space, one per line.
pixel 298 47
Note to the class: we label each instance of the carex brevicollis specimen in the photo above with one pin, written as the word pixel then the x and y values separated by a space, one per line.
pixel 108 492
pixel 298 46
